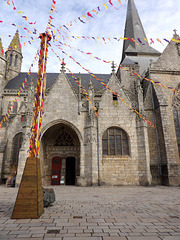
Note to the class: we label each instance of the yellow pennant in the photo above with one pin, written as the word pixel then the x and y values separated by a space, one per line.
pixel 105 6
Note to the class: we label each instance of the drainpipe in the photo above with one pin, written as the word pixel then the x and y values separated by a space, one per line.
pixel 157 135
pixel 99 177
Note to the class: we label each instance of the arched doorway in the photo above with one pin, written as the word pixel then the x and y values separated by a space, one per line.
pixel 70 171
pixel 61 155
pixel 16 145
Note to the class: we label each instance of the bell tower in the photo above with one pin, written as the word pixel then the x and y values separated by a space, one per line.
pixel 13 57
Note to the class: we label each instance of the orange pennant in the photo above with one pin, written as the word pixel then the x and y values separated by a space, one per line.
pixel 120 2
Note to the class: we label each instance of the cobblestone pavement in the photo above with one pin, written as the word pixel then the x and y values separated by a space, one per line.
pixel 99 213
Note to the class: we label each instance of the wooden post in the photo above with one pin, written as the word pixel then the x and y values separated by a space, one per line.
pixel 29 201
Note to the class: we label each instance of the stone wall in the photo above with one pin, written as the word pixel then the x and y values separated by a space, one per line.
pixel 119 170
pixel 167 71
pixel 13 71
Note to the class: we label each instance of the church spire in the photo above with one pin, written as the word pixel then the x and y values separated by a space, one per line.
pixel 15 43
pixel 134 29
pixel 13 57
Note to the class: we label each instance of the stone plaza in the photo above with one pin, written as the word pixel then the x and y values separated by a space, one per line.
pixel 98 213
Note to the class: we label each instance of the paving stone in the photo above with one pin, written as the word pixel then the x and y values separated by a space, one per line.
pixel 143 238
pixel 124 213
pixel 82 238
pixel 37 235
pixel 114 238
pixel 171 238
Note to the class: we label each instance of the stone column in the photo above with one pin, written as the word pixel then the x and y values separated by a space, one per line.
pixel 23 155
pixel 145 177
pixel 94 156
pixel 171 147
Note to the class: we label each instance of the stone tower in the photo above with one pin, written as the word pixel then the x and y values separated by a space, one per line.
pixel 2 73
pixel 139 52
pixel 14 58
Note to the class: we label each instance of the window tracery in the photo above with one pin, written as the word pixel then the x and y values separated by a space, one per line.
pixel 115 142
pixel 64 138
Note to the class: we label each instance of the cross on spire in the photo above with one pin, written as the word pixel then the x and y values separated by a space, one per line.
pixel 175 32
pixel 113 67
pixel 63 66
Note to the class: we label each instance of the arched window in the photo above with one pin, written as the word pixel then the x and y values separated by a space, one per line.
pixel 17 141
pixel 115 142
pixel 10 60
pixel 15 62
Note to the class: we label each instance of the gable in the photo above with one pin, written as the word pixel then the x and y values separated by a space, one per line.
pixel 107 97
pixel 61 94
pixel 170 58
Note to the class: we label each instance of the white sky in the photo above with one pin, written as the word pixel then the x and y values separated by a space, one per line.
pixel 158 17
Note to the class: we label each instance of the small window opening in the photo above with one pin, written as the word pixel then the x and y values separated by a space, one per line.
pixel 115 97
pixel 15 62
pixel 10 61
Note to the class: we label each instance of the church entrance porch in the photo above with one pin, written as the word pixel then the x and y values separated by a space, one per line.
pixel 60 156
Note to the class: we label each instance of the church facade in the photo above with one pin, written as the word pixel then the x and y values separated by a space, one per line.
pixel 116 148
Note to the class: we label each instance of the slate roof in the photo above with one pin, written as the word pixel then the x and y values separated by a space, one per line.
pixel 16 82
pixel 127 61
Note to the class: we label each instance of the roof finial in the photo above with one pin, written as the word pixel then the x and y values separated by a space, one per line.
pixel 90 84
pixel 175 32
pixel 113 68
pixel 63 66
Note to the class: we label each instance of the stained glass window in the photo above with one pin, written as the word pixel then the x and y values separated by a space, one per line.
pixel 115 142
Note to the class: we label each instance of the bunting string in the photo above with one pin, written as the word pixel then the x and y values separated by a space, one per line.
pixel 99 39
pixel 101 81
pixel 19 12
pixel 82 19
pixel 78 83
pixel 22 88
pixel 123 68
pixel 38 101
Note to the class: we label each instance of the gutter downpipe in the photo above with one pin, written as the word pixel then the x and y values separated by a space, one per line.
pixel 157 136
pixel 99 176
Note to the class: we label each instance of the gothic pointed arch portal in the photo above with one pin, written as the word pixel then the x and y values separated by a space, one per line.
pixel 16 145
pixel 61 155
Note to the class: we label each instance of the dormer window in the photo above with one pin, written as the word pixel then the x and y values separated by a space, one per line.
pixel 115 97
pixel 115 100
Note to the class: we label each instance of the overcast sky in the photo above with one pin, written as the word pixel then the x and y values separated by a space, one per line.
pixel 158 17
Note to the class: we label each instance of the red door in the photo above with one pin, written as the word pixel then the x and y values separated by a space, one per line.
pixel 56 171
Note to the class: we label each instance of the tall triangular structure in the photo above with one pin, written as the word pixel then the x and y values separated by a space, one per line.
pixel 15 43
pixel 13 57
pixel 134 53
